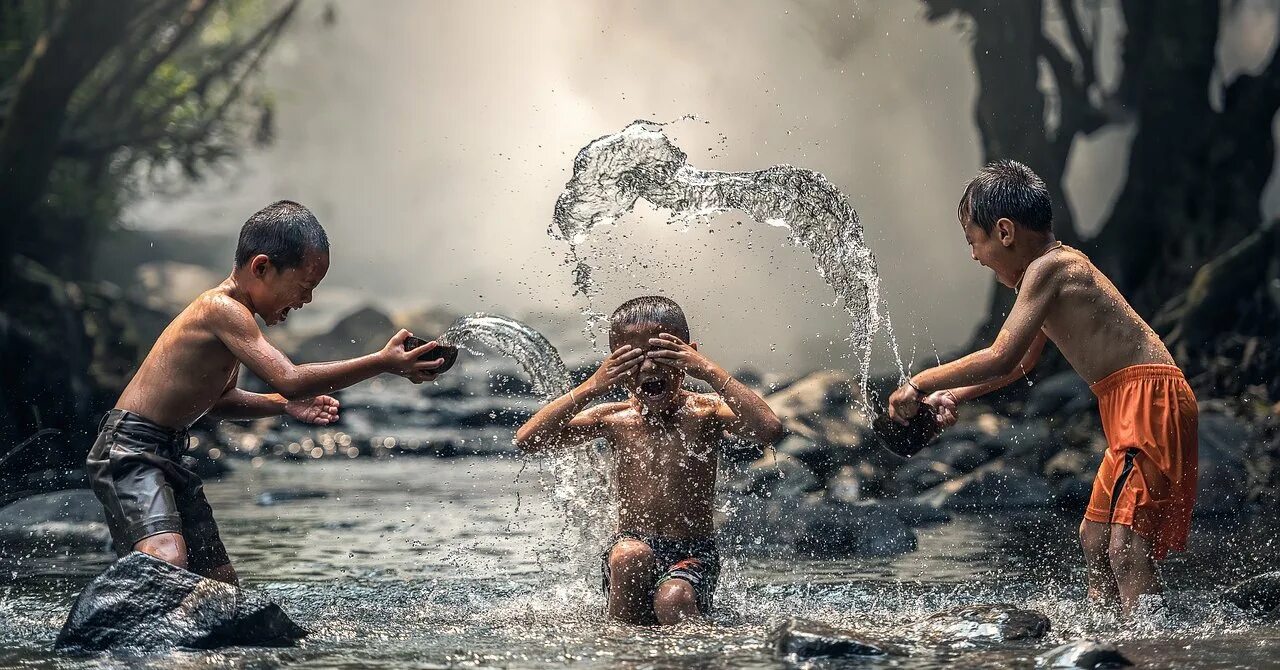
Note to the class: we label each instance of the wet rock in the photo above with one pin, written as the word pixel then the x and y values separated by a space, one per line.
pixel 279 496
pixel 823 460
pixel 840 529
pixel 61 523
pixel 994 486
pixel 776 475
pixel 1084 654
pixel 1224 442
pixel 1257 595
pixel 824 407
pixel 963 456
pixel 356 334
pixel 919 475
pixel 1065 393
pixel 798 639
pixel 143 603
pixel 910 512
pixel 987 623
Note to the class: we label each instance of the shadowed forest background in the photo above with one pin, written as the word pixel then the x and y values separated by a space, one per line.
pixel 136 136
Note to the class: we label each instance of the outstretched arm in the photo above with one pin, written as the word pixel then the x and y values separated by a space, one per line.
pixel 1024 366
pixel 743 412
pixel 234 325
pixel 563 423
pixel 989 366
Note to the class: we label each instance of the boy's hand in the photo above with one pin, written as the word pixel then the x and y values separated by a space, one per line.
pixel 672 352
pixel 619 365
pixel 321 410
pixel 406 363
pixel 944 405
pixel 904 404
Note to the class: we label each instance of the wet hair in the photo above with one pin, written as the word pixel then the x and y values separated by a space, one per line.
pixel 1009 190
pixel 650 309
pixel 284 231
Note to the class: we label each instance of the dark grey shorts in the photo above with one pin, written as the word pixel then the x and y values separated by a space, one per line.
pixel 135 469
pixel 694 561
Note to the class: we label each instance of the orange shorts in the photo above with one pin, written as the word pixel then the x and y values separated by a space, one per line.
pixel 1148 476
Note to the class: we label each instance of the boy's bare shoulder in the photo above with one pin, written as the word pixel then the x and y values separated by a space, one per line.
pixel 215 307
pixel 1053 270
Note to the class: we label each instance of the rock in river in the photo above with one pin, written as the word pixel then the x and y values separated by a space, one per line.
pixel 798 639
pixel 1091 654
pixel 143 603
pixel 1258 595
pixel 986 623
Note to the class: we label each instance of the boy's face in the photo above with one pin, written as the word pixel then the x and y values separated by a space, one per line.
pixel 993 250
pixel 280 291
pixel 655 386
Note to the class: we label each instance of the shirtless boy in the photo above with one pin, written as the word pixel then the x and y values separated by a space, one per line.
pixel 153 503
pixel 1142 497
pixel 662 564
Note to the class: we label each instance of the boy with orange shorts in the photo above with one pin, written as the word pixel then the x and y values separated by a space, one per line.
pixel 1144 492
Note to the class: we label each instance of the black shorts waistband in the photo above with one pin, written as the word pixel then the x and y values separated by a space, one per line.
pixel 144 430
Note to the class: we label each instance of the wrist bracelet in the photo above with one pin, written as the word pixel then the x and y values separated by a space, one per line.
pixel 727 379
pixel 572 398
pixel 915 388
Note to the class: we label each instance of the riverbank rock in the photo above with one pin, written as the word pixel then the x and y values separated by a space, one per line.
pixel 798 639
pixel 143 603
pixel 986 623
pixel 1257 595
pixel 1091 654
pixel 996 485
pixel 777 475
pixel 824 407
pixel 62 522
pixel 841 529
pixel 1063 394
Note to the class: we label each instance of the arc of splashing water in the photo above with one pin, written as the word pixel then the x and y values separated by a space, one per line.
pixel 528 347
pixel 613 172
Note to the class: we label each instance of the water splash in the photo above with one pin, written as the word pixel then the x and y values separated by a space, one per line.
pixel 576 479
pixel 529 348
pixel 613 172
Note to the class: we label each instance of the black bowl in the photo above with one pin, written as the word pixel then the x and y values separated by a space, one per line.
pixel 906 441
pixel 442 351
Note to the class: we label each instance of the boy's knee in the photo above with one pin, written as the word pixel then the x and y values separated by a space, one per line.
pixel 630 556
pixel 675 594
pixel 1094 538
pixel 1124 556
pixel 674 602
pixel 168 547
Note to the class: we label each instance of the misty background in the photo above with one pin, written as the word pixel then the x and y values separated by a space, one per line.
pixel 431 140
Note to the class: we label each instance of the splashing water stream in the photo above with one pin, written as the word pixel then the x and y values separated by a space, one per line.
pixel 613 172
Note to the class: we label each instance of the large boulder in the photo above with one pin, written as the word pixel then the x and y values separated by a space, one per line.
pixel 799 640
pixel 776 475
pixel 58 523
pixel 1090 654
pixel 143 603
pixel 836 530
pixel 1257 595
pixel 996 485
pixel 825 407
pixel 361 332
pixel 1223 477
pixel 986 623
pixel 1065 393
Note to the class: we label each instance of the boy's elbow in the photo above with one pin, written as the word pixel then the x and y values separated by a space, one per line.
pixel 1003 363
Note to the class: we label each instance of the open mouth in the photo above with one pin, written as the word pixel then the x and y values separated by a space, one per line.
pixel 653 387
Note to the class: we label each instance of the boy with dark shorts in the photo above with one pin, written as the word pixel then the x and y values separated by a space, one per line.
pixel 156 505
pixel 662 565
pixel 1144 492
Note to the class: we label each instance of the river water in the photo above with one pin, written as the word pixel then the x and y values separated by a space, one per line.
pixel 439 563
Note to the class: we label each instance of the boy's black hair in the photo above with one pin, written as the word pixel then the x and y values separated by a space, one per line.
pixel 284 231
pixel 650 309
pixel 1006 189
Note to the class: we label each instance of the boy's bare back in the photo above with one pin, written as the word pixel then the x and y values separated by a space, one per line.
pixel 188 368
pixel 1084 314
